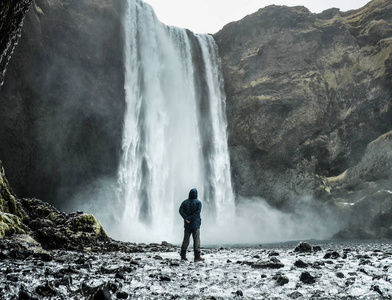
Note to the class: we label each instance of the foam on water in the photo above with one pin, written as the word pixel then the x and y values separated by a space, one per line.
pixel 175 129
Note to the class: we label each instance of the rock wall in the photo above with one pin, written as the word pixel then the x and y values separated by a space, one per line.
pixel 308 99
pixel 63 99
pixel 12 13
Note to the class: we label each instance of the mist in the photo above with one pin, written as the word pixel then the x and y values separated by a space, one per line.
pixel 175 139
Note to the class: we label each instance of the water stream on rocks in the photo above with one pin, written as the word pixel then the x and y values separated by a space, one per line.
pixel 175 129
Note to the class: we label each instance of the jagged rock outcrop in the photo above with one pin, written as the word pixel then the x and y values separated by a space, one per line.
pixel 309 102
pixel 11 212
pixel 63 99
pixel 12 13
pixel 32 225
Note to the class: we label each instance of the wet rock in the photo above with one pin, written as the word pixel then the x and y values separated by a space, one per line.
pixel 44 256
pixel 103 293
pixel 282 280
pixel 300 264
pixel 332 255
pixel 5 254
pixel 120 274
pixel 274 263
pixel 113 287
pixel 166 244
pixel 122 295
pixel 377 289
pixel 350 281
pixel 174 263
pixel 66 280
pixel 47 290
pixel 21 254
pixel 316 248
pixel 307 278
pixel 303 248
pixel 109 270
pixel 12 278
pixel 164 278
pixel 364 261
pixel 295 295
pixel 26 295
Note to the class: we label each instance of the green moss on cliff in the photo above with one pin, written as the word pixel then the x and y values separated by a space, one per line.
pixel 7 200
pixel 11 212
pixel 10 224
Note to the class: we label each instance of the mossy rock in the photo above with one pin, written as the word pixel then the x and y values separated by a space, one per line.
pixel 86 223
pixel 8 201
pixel 10 224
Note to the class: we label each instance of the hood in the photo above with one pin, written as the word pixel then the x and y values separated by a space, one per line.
pixel 193 194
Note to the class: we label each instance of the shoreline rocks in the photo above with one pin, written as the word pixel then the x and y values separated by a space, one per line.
pixel 119 275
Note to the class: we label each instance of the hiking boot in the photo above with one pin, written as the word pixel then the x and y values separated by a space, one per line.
pixel 198 258
pixel 183 255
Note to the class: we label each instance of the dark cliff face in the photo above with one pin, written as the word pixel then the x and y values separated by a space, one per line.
pixel 12 13
pixel 63 99
pixel 307 96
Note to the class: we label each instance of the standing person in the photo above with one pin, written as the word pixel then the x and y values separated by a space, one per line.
pixel 190 211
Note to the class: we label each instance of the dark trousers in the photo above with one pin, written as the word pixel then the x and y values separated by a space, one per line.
pixel 196 240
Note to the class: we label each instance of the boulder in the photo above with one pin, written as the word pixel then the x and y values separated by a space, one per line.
pixel 271 264
pixel 307 278
pixel 303 248
pixel 300 264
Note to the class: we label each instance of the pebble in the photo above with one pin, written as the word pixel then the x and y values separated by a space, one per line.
pixel 116 275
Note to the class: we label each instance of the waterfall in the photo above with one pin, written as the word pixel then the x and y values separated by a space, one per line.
pixel 174 129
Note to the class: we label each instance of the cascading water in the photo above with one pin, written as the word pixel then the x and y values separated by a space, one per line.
pixel 175 129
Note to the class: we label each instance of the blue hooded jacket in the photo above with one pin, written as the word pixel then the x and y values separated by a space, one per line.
pixel 190 210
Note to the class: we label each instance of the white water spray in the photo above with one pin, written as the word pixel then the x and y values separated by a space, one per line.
pixel 175 129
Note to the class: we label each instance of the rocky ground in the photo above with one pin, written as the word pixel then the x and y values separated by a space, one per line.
pixel 328 271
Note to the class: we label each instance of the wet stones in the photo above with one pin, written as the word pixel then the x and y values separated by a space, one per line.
pixel 306 248
pixel 103 293
pixel 281 279
pixel 307 278
pixel 295 295
pixel 303 248
pixel 300 264
pixel 273 263
pixel 331 255
pixel 122 295
pixel 46 290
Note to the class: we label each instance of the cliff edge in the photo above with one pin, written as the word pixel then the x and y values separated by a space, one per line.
pixel 306 94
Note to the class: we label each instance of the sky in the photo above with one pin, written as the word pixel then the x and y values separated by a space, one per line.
pixel 209 16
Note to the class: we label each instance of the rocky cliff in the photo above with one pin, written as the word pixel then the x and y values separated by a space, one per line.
pixel 63 99
pixel 309 103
